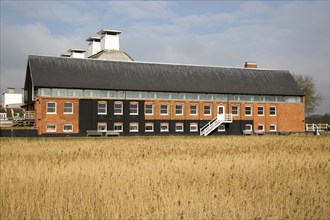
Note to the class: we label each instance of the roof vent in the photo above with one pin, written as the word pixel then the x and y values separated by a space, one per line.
pixel 77 53
pixel 250 64
pixel 109 39
pixel 94 46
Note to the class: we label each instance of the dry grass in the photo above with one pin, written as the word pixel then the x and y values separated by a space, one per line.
pixel 166 178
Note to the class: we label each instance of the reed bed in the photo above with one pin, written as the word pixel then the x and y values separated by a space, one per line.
pixel 268 177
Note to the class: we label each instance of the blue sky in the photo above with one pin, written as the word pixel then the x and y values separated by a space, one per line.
pixel 290 35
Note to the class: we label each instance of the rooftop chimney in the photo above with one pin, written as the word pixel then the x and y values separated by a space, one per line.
pixel 249 64
pixel 77 53
pixel 94 46
pixel 109 39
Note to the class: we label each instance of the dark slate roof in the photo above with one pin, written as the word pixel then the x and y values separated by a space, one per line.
pixel 58 72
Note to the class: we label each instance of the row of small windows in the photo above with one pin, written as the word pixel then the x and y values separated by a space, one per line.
pixel 65 128
pixel 52 108
pixel 86 93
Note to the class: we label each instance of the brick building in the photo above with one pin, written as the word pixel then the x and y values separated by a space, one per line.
pixel 106 91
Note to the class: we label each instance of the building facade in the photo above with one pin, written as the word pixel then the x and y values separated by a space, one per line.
pixel 72 96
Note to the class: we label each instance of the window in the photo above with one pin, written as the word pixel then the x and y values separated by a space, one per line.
pixel 248 127
pixel 248 111
pixel 102 108
pixel 207 109
pixel 179 127
pixel 193 109
pixel 133 127
pixel 68 108
pixel 149 109
pixel 272 127
pixel 118 108
pixel 272 111
pixel 193 127
pixel 260 110
pixel 51 107
pixel 260 127
pixel 222 127
pixel 102 126
pixel 234 110
pixel 51 128
pixel 67 128
pixel 164 127
pixel 118 127
pixel 133 108
pixel 164 109
pixel 179 109
pixel 149 127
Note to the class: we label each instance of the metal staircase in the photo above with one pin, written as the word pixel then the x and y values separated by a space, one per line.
pixel 317 128
pixel 215 123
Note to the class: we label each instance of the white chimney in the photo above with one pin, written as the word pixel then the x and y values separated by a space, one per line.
pixel 94 46
pixel 109 39
pixel 77 53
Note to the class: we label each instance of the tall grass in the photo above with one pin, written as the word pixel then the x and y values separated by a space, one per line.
pixel 166 178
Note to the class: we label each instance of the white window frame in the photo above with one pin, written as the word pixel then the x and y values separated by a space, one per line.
pixel 51 131
pixel 270 127
pixel 222 128
pixel 133 125
pixel 177 125
pixel 176 109
pixel 71 130
pixel 270 110
pixel 105 108
pixel 101 124
pixel 152 109
pixel 195 105
pixel 121 108
pixel 193 127
pixel 248 106
pixel 250 127
pixel 135 110
pixel 149 124
pixel 232 110
pixel 263 111
pixel 261 125
pixel 167 127
pixel 47 108
pixel 118 124
pixel 161 109
pixel 71 112
pixel 210 109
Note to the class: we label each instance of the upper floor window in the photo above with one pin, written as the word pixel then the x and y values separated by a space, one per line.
pixel 234 110
pixel 118 108
pixel 272 111
pixel 149 110
pixel 179 109
pixel 133 108
pixel 260 110
pixel 207 109
pixel 102 108
pixel 51 107
pixel 164 109
pixel 193 109
pixel 248 110
pixel 68 108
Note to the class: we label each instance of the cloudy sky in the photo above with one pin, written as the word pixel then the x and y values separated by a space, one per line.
pixel 290 35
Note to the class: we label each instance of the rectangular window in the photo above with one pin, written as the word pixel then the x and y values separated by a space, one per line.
pixel 51 107
pixel 67 128
pixel 118 127
pixel 193 127
pixel 179 109
pixel 207 109
pixel 51 128
pixel 222 128
pixel 179 127
pixel 234 110
pixel 133 127
pixel 68 108
pixel 260 127
pixel 272 111
pixel 149 109
pixel 102 126
pixel 164 109
pixel 102 108
pixel 260 110
pixel 248 111
pixel 133 108
pixel 118 108
pixel 164 127
pixel 193 109
pixel 149 127
pixel 272 127
pixel 248 127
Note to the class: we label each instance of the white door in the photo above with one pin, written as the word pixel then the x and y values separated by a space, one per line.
pixel 221 112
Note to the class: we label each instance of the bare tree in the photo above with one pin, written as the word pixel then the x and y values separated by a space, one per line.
pixel 312 98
